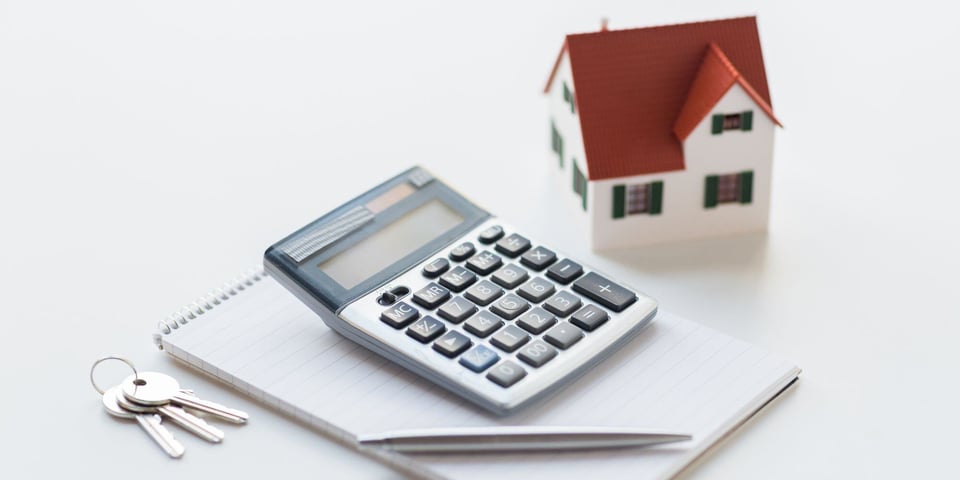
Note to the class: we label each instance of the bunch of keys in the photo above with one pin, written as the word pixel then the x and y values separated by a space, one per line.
pixel 151 397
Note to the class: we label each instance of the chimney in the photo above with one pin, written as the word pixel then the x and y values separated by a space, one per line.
pixel 603 24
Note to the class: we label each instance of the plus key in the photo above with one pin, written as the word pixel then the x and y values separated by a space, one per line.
pixel 604 292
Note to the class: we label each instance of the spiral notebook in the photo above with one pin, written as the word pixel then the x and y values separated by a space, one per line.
pixel 676 375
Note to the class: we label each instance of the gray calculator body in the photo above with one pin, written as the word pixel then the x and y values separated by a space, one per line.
pixel 418 274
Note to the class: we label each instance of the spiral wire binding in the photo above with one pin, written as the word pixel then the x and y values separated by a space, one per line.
pixel 208 302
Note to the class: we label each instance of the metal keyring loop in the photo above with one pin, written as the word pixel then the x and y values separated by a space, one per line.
pixel 111 357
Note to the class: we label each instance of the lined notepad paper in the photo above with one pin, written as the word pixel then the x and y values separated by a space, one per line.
pixel 676 375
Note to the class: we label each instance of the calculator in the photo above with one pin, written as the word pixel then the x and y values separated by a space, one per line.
pixel 420 275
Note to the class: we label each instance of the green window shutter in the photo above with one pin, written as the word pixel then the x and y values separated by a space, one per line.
pixel 554 138
pixel 746 187
pixel 656 198
pixel 560 150
pixel 746 120
pixel 583 192
pixel 710 192
pixel 566 92
pixel 717 127
pixel 573 104
pixel 576 177
pixel 619 200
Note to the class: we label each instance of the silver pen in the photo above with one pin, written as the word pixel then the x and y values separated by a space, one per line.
pixel 516 439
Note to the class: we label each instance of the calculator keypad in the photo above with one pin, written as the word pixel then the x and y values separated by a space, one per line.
pixel 515 318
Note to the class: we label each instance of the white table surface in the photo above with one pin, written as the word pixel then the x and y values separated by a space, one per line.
pixel 151 150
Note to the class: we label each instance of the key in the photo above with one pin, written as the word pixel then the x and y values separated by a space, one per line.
pixel 562 304
pixel 452 344
pixel 431 296
pixel 426 329
pixel 483 324
pixel 150 423
pixel 187 421
pixel 509 276
pixel 153 388
pixel 436 268
pixel 604 292
pixel 510 339
pixel 462 252
pixel 506 374
pixel 484 262
pixel 536 321
pixel 458 279
pixel 565 271
pixel 457 310
pixel 491 234
pixel 479 358
pixel 510 306
pixel 400 315
pixel 483 293
pixel 513 245
pixel 563 336
pixel 537 354
pixel 537 289
pixel 538 258
pixel 589 318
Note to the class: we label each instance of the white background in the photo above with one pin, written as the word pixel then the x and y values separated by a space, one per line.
pixel 150 150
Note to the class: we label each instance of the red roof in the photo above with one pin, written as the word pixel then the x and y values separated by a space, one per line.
pixel 634 87
pixel 715 77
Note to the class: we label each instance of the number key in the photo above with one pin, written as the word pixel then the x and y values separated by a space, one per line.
pixel 482 324
pixel 510 338
pixel 457 309
pixel 537 289
pixel 483 293
pixel 506 374
pixel 509 276
pixel 562 304
pixel 536 321
pixel 510 306
pixel 537 353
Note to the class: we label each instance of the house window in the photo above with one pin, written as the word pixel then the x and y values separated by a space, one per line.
pixel 568 97
pixel 728 188
pixel 556 142
pixel 641 198
pixel 580 185
pixel 732 121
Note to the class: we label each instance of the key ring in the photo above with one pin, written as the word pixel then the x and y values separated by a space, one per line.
pixel 110 357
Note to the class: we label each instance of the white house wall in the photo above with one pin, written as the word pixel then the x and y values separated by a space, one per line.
pixel 683 213
pixel 568 124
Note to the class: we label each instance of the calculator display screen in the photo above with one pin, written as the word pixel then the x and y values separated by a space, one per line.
pixel 392 242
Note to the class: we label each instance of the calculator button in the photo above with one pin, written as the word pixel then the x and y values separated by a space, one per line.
pixel 510 306
pixel 399 315
pixel 452 344
pixel 563 336
pixel 484 262
pixel 536 321
pixel 458 279
pixel 462 252
pixel 426 329
pixel 483 293
pixel 506 374
pixel 491 234
pixel 604 292
pixel 562 304
pixel 431 295
pixel 537 353
pixel 436 268
pixel 483 323
pixel 509 276
pixel 510 338
pixel 589 318
pixel 538 258
pixel 537 289
pixel 457 310
pixel 513 245
pixel 479 358
pixel 565 271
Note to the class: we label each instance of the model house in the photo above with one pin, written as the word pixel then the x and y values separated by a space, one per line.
pixel 663 133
